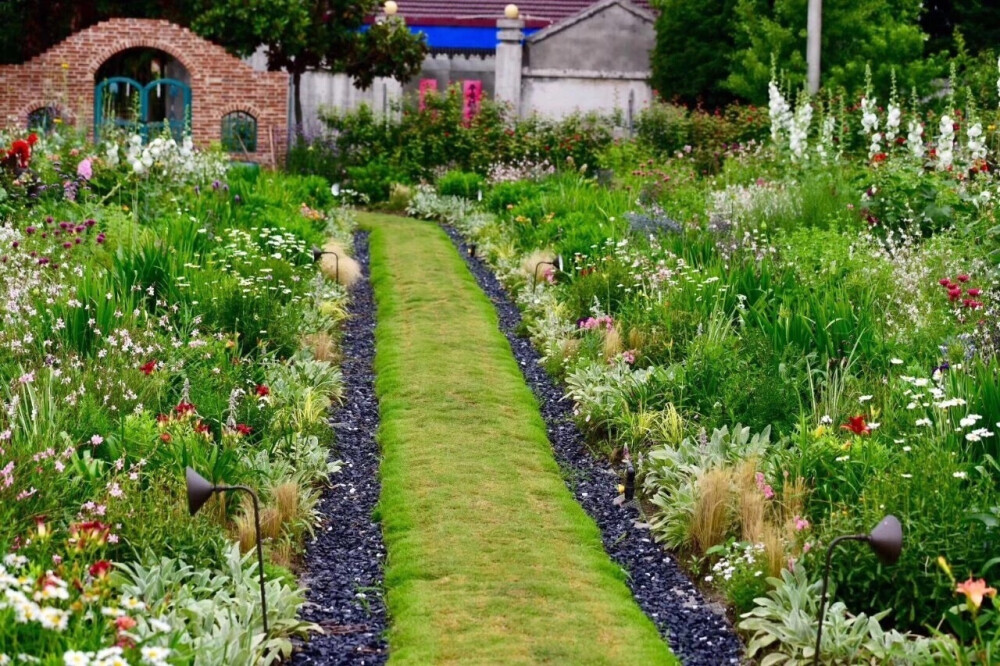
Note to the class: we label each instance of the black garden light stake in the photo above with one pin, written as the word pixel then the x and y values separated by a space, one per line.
pixel 629 481
pixel 886 540
pixel 199 489
pixel 472 250
pixel 318 254
pixel 554 264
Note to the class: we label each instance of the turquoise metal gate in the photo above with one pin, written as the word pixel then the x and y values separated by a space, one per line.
pixel 148 110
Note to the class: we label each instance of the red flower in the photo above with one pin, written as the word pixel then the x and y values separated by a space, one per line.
pixel 100 569
pixel 163 419
pixel 149 368
pixel 202 428
pixel 857 425
pixel 184 408
pixel 962 278
pixel 165 438
pixel 263 391
pixel 243 429
pixel 954 294
pixel 974 292
pixel 880 157
pixel 21 150
pixel 945 282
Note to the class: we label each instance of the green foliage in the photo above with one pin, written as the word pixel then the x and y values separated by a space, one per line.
pixel 460 184
pixel 885 34
pixel 694 44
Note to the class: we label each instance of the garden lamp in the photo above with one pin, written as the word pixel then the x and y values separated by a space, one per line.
pixel 318 254
pixel 554 264
pixel 472 250
pixel 199 489
pixel 886 540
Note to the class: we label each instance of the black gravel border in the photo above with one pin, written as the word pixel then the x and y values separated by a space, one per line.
pixel 344 563
pixel 698 632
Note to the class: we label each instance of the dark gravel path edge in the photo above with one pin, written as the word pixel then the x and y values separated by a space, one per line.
pixel 344 562
pixel 698 633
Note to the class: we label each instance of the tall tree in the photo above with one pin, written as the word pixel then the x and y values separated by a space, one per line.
pixel 303 35
pixel 41 24
pixel 694 43
pixel 885 34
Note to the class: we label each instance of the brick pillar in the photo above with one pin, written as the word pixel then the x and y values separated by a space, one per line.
pixel 509 58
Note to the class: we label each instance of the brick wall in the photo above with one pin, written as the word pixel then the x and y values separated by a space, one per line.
pixel 64 75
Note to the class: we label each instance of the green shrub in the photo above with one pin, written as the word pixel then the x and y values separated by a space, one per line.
pixel 460 184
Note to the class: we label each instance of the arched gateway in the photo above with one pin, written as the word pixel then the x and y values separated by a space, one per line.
pixel 149 76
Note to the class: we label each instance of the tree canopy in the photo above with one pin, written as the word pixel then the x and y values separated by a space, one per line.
pixel 694 42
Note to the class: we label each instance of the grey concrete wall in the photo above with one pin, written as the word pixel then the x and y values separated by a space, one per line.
pixel 454 69
pixel 612 40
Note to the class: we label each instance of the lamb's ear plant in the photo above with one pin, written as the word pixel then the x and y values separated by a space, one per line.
pixel 782 628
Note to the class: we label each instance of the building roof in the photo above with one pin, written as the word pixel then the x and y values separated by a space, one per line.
pixel 484 13
pixel 469 26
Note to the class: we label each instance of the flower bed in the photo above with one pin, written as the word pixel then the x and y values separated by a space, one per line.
pixel 160 311
pixel 788 350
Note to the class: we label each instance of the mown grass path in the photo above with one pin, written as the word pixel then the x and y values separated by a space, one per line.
pixel 490 559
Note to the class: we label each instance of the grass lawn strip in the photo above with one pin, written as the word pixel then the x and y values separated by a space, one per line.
pixel 489 557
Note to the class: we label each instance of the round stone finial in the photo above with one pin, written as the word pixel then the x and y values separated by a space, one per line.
pixel 511 11
pixel 390 8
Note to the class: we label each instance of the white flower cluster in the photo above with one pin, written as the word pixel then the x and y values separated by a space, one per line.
pixel 165 157
pixel 869 123
pixel 915 139
pixel 946 142
pixel 727 566
pixel 892 123
pixel 976 142
pixel 825 144
pixel 798 130
pixel 780 112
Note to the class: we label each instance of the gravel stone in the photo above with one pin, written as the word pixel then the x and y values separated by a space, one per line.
pixel 344 563
pixel 698 633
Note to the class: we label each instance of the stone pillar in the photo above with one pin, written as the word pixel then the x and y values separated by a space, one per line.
pixel 509 60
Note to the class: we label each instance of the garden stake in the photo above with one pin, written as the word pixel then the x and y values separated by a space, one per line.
pixel 886 540
pixel 199 489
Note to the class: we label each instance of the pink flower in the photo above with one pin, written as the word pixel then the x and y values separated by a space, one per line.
pixel 629 356
pixel 763 486
pixel 96 440
pixel 962 278
pixel 85 169
pixel 801 524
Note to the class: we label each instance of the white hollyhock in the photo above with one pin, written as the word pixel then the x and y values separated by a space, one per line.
pixel 976 145
pixel 915 139
pixel 946 142
pixel 892 122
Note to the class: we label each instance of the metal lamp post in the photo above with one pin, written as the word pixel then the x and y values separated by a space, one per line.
pixel 886 540
pixel 199 489
pixel 318 254
pixel 553 264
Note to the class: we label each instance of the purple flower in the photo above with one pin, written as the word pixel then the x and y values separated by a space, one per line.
pixel 29 230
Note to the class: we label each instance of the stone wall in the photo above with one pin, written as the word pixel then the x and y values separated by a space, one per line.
pixel 63 77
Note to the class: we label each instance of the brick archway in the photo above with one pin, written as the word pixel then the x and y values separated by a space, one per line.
pixel 63 77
